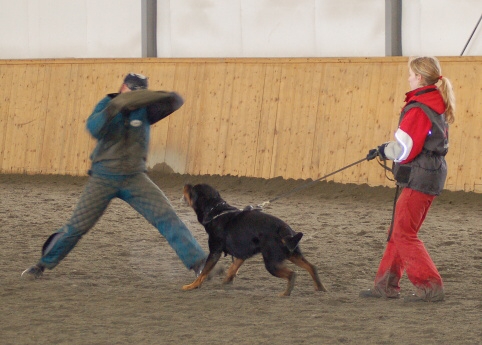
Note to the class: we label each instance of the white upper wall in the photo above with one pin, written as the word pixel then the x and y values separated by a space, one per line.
pixel 234 28
pixel 72 28
pixel 441 27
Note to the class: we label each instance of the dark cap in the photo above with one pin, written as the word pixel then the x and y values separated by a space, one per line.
pixel 135 81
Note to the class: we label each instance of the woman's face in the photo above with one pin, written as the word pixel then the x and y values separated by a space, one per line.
pixel 414 79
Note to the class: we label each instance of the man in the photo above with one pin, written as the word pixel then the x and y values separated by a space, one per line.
pixel 121 124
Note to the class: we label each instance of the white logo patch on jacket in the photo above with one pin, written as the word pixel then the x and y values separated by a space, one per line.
pixel 136 123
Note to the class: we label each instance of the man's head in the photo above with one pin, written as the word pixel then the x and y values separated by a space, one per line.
pixel 135 81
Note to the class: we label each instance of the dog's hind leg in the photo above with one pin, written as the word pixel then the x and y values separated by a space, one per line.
pixel 281 271
pixel 300 261
pixel 233 270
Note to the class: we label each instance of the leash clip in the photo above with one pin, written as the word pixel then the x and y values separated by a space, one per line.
pixel 263 204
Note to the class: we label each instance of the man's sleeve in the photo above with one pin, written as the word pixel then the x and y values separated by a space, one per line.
pixel 98 119
pixel 159 110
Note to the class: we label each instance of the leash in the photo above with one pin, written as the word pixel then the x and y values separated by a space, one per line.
pixel 397 190
pixel 397 193
pixel 306 185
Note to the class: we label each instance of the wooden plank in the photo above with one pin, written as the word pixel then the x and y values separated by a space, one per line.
pixel 458 132
pixel 6 81
pixel 226 89
pixel 318 148
pixel 236 121
pixel 161 77
pixel 178 131
pixel 301 130
pixel 88 94
pixel 363 126
pixel 250 113
pixel 206 118
pixel 15 138
pixel 194 152
pixel 180 123
pixel 464 170
pixel 80 106
pixel 374 134
pixel 387 116
pixel 211 144
pixel 472 120
pixel 344 119
pixel 311 114
pixel 57 106
pixel 69 122
pixel 325 121
pixel 268 116
pixel 284 121
pixel 32 126
pixel 341 120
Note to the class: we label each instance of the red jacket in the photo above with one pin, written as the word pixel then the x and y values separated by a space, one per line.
pixel 416 124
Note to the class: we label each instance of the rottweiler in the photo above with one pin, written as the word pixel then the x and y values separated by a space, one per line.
pixel 244 233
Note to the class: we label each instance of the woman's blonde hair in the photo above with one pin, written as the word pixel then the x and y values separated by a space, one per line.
pixel 429 68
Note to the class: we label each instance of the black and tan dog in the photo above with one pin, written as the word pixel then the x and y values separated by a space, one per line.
pixel 244 233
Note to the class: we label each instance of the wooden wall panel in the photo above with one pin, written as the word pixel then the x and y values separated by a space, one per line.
pixel 295 118
pixel 267 123
pixel 164 78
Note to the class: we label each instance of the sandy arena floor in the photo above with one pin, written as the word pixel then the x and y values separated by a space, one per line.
pixel 122 283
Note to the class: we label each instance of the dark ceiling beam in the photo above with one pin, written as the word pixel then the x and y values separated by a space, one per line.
pixel 149 28
pixel 393 27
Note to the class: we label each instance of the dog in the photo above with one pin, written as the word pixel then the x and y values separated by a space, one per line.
pixel 243 234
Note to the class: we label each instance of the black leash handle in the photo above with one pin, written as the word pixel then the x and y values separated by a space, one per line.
pixel 306 185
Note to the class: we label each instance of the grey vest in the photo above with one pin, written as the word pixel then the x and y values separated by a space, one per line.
pixel 428 171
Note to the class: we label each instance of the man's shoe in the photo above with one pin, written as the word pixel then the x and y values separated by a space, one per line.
pixel 33 272
pixel 198 267
pixel 375 293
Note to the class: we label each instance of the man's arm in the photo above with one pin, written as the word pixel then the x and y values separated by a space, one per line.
pixel 99 118
pixel 159 110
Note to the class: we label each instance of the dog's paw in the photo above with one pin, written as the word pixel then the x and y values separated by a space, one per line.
pixel 191 286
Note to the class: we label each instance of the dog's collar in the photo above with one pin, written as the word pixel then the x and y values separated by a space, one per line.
pixel 207 219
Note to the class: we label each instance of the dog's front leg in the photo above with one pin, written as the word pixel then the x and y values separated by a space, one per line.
pixel 211 261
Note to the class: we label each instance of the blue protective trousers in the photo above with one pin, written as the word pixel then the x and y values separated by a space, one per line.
pixel 139 192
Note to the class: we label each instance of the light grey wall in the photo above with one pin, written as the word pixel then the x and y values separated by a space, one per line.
pixel 441 27
pixel 234 28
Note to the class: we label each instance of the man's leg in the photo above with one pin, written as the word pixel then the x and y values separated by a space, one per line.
pixel 94 200
pixel 147 199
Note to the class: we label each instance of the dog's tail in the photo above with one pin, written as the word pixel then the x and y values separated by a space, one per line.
pixel 292 242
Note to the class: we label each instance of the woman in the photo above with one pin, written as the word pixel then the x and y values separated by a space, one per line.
pixel 419 167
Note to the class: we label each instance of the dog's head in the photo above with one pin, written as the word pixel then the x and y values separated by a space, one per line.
pixel 200 196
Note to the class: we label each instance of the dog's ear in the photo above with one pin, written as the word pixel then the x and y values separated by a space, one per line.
pixel 189 194
pixel 192 194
